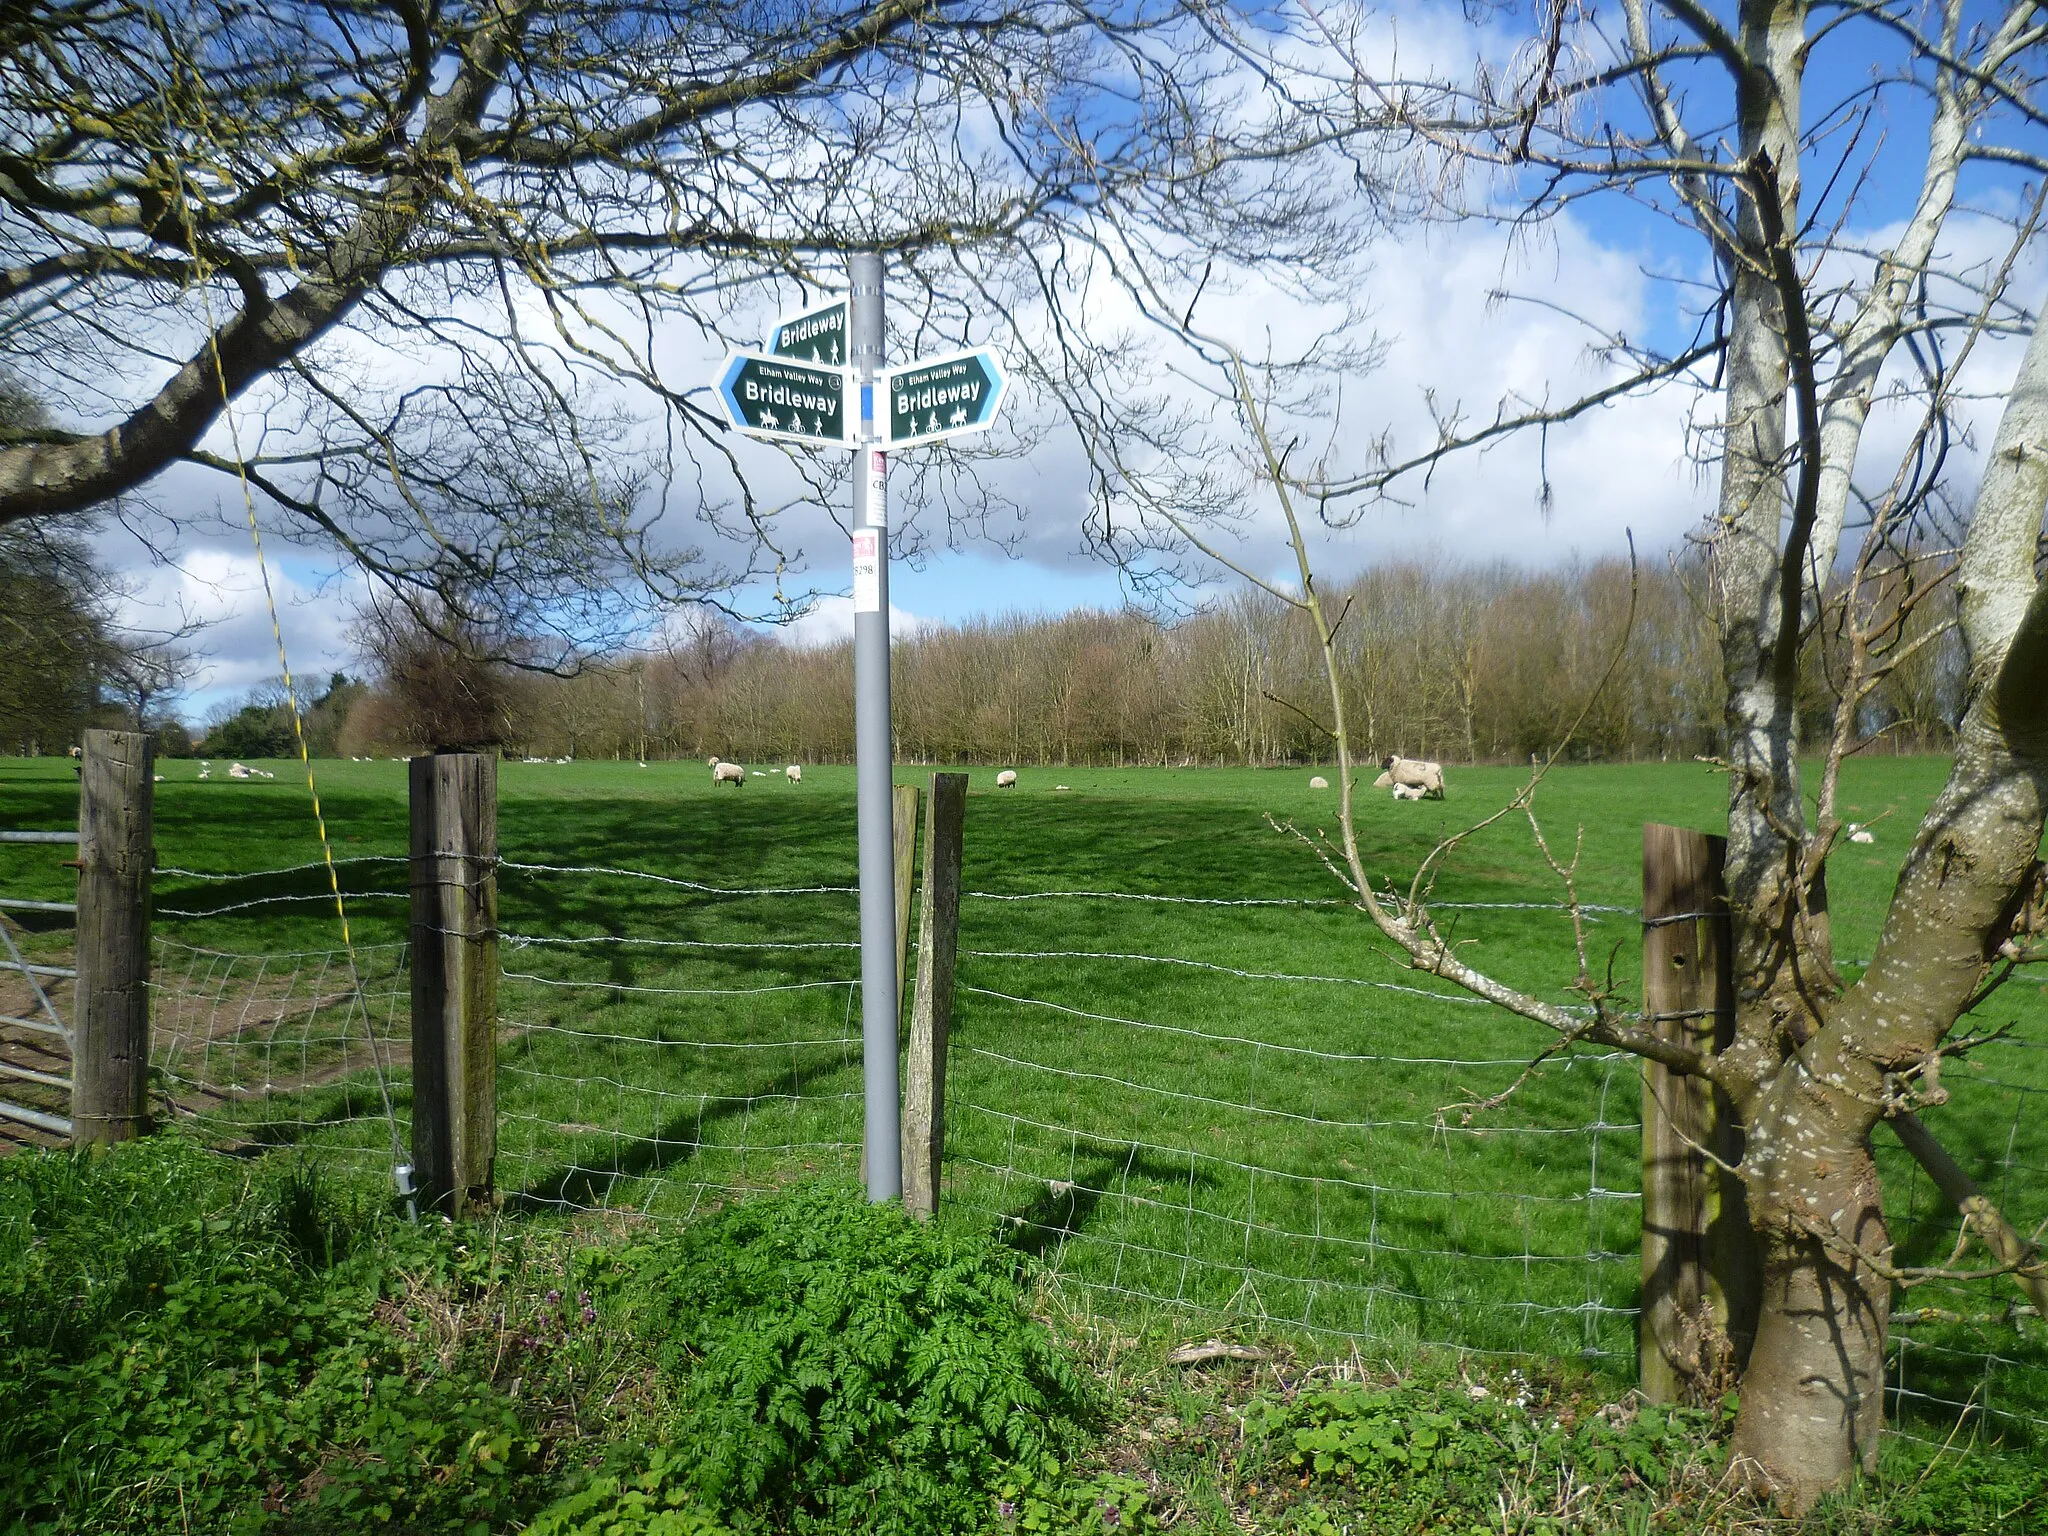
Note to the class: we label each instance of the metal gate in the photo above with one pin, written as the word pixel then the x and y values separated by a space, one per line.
pixel 35 1044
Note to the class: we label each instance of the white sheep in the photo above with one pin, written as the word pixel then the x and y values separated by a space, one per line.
pixel 1319 782
pixel 237 771
pixel 1414 773
pixel 1007 779
pixel 728 773
pixel 1859 833
pixel 794 773
pixel 711 761
pixel 1408 791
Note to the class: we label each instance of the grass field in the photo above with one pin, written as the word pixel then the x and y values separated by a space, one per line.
pixel 1260 1147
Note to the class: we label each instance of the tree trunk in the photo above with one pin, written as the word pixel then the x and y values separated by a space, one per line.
pixel 1813 1393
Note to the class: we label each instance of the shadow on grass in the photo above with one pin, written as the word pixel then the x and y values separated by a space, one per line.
pixel 324 1109
pixel 1067 1205
pixel 674 1143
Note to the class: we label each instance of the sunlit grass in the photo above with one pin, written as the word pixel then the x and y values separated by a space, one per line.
pixel 1285 1150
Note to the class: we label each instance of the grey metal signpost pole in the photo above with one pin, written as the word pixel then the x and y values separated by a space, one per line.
pixel 821 384
pixel 873 747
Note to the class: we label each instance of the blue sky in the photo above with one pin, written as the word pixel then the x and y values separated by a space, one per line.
pixel 1629 468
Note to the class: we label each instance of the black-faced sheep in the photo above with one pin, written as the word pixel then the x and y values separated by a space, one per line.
pixel 1413 773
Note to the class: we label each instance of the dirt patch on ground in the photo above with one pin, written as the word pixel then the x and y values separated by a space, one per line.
pixel 223 1035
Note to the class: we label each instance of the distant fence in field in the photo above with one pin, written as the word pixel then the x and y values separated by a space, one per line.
pixel 1170 1127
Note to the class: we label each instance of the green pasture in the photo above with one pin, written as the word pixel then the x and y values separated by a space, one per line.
pixel 1283 1150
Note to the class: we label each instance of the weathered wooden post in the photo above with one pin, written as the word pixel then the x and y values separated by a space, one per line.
pixel 931 1014
pixel 454 978
pixel 116 853
pixel 904 821
pixel 1699 1264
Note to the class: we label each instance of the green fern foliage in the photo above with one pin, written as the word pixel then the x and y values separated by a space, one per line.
pixel 834 1363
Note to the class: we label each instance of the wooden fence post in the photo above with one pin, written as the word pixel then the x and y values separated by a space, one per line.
pixel 904 825
pixel 454 978
pixel 1700 1281
pixel 931 1015
pixel 116 853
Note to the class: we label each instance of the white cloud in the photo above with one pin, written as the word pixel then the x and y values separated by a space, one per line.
pixel 221 589
pixel 831 621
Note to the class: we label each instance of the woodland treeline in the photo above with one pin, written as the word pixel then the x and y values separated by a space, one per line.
pixel 1464 663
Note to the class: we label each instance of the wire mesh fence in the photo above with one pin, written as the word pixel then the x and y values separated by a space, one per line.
pixel 301 1048
pixel 1190 1125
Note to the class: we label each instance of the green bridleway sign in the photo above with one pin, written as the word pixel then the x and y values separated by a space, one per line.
pixel 939 397
pixel 815 336
pixel 800 390
pixel 798 402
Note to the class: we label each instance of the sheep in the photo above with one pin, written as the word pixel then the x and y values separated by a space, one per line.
pixel 1858 833
pixel 1412 772
pixel 728 773
pixel 712 761
pixel 1007 779
pixel 237 771
pixel 1319 782
pixel 1408 791
pixel 794 773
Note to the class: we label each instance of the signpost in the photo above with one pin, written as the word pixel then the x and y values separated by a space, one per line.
pixel 817 335
pixel 820 383
pixel 938 397
pixel 797 402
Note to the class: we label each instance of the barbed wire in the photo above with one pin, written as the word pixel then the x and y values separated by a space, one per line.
pixel 1291 1050
pixel 678 881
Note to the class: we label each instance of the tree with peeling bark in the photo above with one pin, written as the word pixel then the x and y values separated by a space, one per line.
pixel 1814 326
pixel 415 273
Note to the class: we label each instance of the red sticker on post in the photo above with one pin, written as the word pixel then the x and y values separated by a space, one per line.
pixel 867 570
pixel 878 488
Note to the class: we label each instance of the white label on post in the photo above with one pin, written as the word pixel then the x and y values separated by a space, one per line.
pixel 878 487
pixel 867 571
